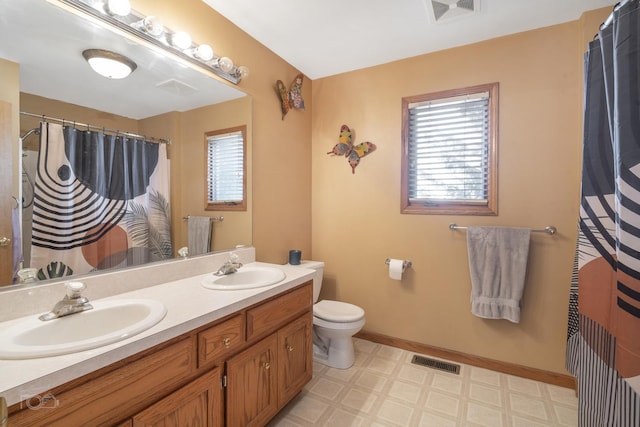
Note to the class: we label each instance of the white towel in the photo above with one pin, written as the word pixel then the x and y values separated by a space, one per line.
pixel 498 264
pixel 198 234
pixel 17 240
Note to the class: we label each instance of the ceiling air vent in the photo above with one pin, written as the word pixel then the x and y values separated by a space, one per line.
pixel 447 9
pixel 177 87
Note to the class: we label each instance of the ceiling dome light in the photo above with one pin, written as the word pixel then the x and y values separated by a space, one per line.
pixel 203 52
pixel 181 40
pixel 225 64
pixel 119 7
pixel 109 64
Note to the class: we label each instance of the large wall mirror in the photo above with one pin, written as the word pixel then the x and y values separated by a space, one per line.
pixel 164 98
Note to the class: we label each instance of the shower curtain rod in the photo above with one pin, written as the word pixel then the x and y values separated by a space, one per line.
pixel 103 129
pixel 609 19
pixel 550 229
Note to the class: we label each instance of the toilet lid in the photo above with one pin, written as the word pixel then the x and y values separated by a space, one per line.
pixel 336 311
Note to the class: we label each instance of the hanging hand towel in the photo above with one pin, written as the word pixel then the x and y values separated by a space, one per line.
pixel 498 264
pixel 17 240
pixel 198 234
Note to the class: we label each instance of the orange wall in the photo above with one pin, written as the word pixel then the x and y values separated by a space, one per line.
pixel 10 78
pixel 53 108
pixel 281 148
pixel 188 173
pixel 356 218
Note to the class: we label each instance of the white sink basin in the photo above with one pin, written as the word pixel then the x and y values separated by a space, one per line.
pixel 108 322
pixel 246 277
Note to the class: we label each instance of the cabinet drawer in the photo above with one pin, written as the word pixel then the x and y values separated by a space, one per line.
pixel 266 317
pixel 221 339
pixel 118 394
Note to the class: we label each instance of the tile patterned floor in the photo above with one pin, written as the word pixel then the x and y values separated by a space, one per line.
pixel 384 388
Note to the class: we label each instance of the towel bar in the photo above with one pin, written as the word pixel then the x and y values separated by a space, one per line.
pixel 213 218
pixel 550 229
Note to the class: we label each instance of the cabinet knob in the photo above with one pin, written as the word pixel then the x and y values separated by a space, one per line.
pixel 267 366
pixel 226 342
pixel 289 347
pixel 4 241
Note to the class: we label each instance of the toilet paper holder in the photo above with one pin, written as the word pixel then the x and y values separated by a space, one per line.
pixel 405 264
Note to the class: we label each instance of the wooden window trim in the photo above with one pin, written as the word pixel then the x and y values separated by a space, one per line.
pixel 408 206
pixel 221 206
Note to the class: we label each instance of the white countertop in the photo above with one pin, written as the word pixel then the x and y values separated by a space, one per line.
pixel 189 306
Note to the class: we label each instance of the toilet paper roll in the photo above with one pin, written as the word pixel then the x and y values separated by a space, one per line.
pixel 395 269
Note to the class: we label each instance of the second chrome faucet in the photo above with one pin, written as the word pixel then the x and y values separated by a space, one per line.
pixel 230 266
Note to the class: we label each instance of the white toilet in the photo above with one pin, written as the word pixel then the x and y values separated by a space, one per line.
pixel 334 325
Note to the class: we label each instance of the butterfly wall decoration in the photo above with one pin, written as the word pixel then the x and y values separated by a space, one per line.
pixel 291 98
pixel 345 147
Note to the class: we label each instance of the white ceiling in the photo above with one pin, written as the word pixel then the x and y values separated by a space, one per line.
pixel 47 43
pixel 320 38
pixel 326 37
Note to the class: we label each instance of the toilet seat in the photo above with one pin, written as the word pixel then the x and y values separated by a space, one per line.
pixel 337 311
pixel 350 327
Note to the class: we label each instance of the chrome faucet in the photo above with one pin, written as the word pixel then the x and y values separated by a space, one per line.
pixel 72 302
pixel 230 266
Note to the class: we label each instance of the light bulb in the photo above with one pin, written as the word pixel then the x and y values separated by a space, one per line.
pixel 243 72
pixel 203 52
pixel 181 40
pixel 225 64
pixel 151 25
pixel 119 7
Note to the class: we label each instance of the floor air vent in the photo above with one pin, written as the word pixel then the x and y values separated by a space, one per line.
pixel 436 364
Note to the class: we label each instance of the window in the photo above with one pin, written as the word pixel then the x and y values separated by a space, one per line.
pixel 449 152
pixel 226 174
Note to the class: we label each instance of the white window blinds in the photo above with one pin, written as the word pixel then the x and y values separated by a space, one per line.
pixel 225 166
pixel 448 146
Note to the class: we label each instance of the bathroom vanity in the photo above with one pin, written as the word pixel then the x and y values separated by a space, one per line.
pixel 218 358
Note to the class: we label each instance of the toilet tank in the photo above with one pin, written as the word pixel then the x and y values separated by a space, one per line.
pixel 318 266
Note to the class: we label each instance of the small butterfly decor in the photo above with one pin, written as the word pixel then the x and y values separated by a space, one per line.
pixel 345 147
pixel 291 98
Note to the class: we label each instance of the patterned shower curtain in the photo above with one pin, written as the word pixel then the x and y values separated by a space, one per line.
pixel 100 201
pixel 603 348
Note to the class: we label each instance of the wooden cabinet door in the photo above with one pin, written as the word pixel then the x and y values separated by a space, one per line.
pixel 251 385
pixel 197 404
pixel 294 358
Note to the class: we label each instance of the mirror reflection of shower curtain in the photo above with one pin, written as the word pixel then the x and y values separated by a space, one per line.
pixel 100 201
pixel 603 345
pixel 29 164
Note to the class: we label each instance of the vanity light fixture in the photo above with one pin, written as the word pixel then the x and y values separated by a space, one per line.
pixel 225 64
pixel 180 40
pixel 203 52
pixel 151 25
pixel 109 64
pixel 119 7
pixel 151 30
pixel 243 72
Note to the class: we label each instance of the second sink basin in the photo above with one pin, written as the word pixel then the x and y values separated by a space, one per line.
pixel 108 322
pixel 246 277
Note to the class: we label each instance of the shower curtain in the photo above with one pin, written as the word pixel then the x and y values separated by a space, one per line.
pixel 100 201
pixel 603 348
